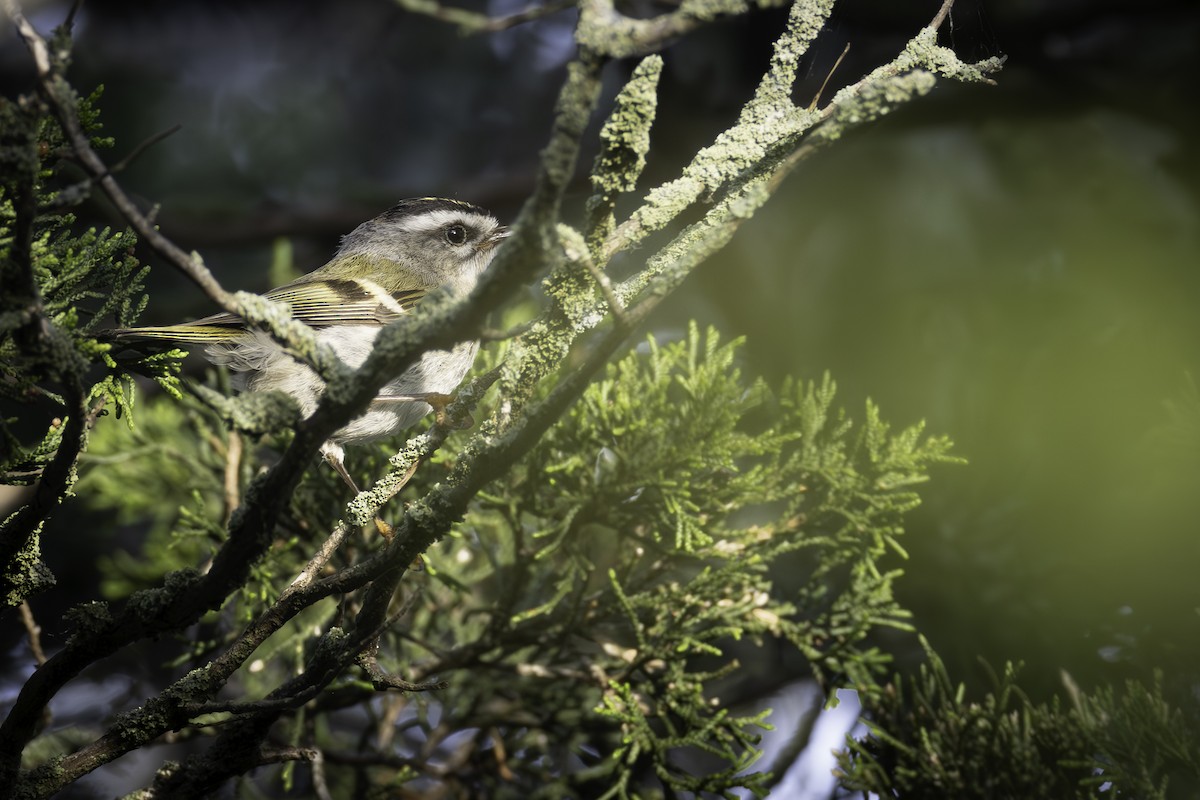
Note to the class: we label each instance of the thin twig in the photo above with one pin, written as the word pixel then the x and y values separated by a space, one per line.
pixel 606 290
pixel 69 22
pixel 942 14
pixel 315 564
pixel 280 755
pixel 496 335
pixel 382 758
pixel 289 754
pixel 356 649
pixel 817 97
pixel 474 22
pixel 313 755
pixel 528 14
pixel 78 192
pixel 501 755
pixel 250 706
pixel 34 632
pixel 146 144
pixel 368 659
pixel 233 468
pixel 320 785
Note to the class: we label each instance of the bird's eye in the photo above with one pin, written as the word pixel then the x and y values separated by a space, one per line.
pixel 456 234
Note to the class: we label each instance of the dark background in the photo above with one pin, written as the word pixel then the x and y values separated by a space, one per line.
pixel 1016 265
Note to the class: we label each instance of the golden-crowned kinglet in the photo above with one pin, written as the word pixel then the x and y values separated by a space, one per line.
pixel 382 268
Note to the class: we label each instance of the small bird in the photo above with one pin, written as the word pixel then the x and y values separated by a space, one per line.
pixel 380 271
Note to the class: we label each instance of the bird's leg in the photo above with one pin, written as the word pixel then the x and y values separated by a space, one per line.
pixel 336 457
pixel 340 468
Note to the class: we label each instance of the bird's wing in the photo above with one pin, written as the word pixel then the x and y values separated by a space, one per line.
pixel 334 301
pixel 318 303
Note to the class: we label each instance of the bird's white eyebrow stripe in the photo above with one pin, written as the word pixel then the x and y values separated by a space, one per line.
pixel 438 218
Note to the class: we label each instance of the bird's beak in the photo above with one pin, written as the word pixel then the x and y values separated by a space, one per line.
pixel 498 236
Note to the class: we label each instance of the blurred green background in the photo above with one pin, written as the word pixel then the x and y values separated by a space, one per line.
pixel 1025 281
pixel 1017 265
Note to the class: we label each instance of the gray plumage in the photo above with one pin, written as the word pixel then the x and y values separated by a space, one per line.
pixel 382 268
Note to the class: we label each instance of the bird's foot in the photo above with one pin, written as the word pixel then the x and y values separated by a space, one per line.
pixel 439 402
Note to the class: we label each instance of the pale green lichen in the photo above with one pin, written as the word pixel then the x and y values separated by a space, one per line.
pixel 570 286
pixel 363 508
pixel 771 125
pixel 255 413
pixel 873 101
pixel 577 306
pixel 149 606
pixel 625 137
pixel 26 574
pixel 924 50
pixel 624 142
pixel 572 114
pixel 805 22
pixel 605 31
pixel 767 120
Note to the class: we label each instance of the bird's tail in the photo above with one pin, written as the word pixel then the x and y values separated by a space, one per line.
pixel 178 334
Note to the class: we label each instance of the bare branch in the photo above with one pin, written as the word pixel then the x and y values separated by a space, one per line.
pixel 494 335
pixel 146 144
pixel 472 22
pixel 34 632
pixel 942 14
pixel 233 467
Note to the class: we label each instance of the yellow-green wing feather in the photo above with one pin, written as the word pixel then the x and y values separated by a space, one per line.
pixel 344 302
pixel 192 333
pixel 319 303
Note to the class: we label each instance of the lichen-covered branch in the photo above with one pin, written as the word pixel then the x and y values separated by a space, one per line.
pixel 624 143
pixel 771 125
pixel 587 317
pixel 606 31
